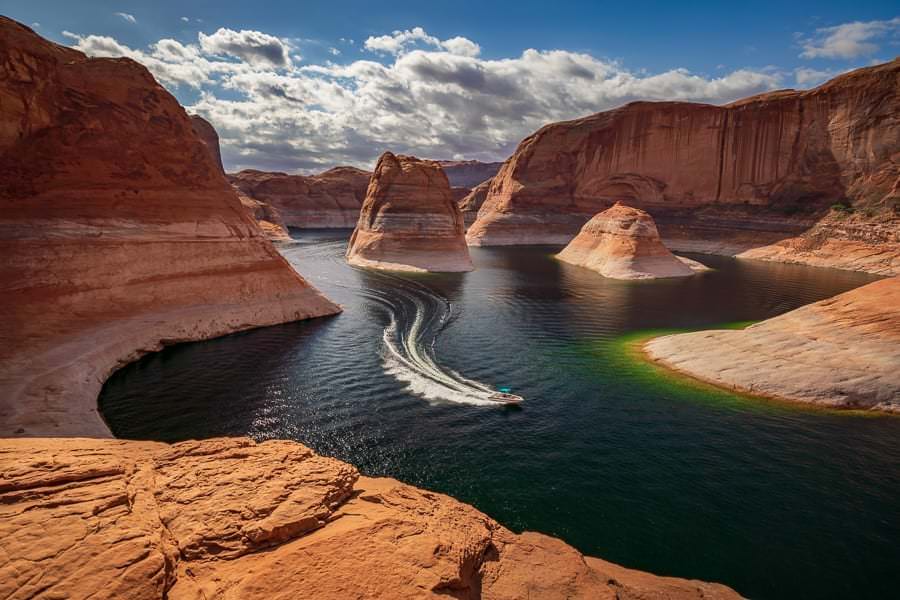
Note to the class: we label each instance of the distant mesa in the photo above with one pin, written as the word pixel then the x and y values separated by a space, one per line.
pixel 409 221
pixel 622 243
pixel 331 199
pixel 468 173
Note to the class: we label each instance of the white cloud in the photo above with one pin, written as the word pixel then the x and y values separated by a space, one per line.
pixel 255 47
pixel 334 51
pixel 36 25
pixel 185 19
pixel 126 16
pixel 849 40
pixel 812 77
pixel 432 98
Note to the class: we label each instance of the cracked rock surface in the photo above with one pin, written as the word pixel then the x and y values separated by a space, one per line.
pixel 231 518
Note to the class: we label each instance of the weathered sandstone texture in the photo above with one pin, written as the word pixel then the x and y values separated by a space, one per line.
pixel 765 169
pixel 232 519
pixel 468 173
pixel 328 200
pixel 623 243
pixel 266 217
pixel 409 220
pixel 207 133
pixel 843 352
pixel 118 232
pixel 472 202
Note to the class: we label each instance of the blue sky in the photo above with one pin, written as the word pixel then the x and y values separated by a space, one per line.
pixel 297 86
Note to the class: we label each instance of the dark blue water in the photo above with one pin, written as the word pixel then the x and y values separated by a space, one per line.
pixel 613 455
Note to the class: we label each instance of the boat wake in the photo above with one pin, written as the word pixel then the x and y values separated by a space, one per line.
pixel 416 317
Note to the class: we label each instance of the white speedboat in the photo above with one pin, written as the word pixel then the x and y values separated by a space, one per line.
pixel 506 398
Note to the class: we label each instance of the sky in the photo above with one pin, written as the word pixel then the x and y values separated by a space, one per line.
pixel 300 86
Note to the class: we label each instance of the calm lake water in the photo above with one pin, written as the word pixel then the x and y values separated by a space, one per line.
pixel 615 456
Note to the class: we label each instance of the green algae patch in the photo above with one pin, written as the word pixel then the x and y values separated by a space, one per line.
pixel 625 354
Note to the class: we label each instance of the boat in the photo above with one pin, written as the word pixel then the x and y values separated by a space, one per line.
pixel 506 398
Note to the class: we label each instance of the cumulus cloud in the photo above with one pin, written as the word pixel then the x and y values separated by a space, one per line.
pixel 849 40
pixel 126 17
pixel 400 42
pixel 418 95
pixel 254 47
pixel 185 19
pixel 811 77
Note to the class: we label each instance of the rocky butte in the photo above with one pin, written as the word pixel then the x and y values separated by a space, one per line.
pixel 842 352
pixel 760 175
pixel 209 136
pixel 329 199
pixel 409 220
pixel 623 243
pixel 119 235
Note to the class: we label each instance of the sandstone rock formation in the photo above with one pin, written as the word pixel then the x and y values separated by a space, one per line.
pixel 207 133
pixel 233 519
pixel 623 243
pixel 767 168
pixel 409 221
pixel 468 173
pixel 842 352
pixel 118 234
pixel 472 202
pixel 329 199
pixel 266 217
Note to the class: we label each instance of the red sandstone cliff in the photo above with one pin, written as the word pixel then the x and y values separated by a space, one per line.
pixel 118 233
pixel 329 199
pixel 473 201
pixel 767 167
pixel 409 220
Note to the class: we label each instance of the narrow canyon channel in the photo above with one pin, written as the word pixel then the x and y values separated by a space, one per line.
pixel 612 454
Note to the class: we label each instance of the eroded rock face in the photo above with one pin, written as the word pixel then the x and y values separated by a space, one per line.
pixel 468 173
pixel 118 234
pixel 207 133
pixel 770 164
pixel 472 202
pixel 841 352
pixel 266 217
pixel 86 518
pixel 623 243
pixel 409 220
pixel 329 199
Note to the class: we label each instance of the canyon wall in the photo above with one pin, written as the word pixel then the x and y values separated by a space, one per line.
pixel 409 220
pixel 842 352
pixel 328 200
pixel 119 234
pixel 208 134
pixel 724 178
pixel 472 202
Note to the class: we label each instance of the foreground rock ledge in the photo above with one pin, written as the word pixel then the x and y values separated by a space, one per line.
pixel 141 520
pixel 623 243
pixel 843 352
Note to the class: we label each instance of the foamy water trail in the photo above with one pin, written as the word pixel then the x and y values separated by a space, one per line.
pixel 417 315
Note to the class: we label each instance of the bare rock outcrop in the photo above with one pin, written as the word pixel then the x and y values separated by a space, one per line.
pixel 208 134
pixel 468 173
pixel 234 519
pixel 842 352
pixel 409 221
pixel 118 232
pixel 766 168
pixel 266 217
pixel 328 200
pixel 472 202
pixel 623 243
